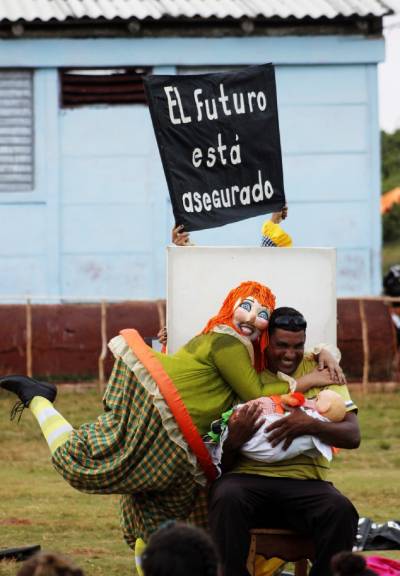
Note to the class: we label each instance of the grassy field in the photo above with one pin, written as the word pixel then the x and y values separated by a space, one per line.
pixel 38 507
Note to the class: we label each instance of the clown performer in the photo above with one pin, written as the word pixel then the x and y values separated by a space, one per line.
pixel 147 445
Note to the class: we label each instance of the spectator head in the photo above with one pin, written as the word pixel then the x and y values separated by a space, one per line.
pixel 349 564
pixel 180 550
pixel 46 564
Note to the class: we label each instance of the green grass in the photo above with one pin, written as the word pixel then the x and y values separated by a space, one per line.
pixel 390 255
pixel 38 507
pixel 370 475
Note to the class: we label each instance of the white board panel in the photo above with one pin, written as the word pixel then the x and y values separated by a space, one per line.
pixel 199 278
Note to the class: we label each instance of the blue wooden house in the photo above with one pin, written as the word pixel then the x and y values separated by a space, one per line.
pixel 84 208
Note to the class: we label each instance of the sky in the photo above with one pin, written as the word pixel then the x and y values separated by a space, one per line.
pixel 389 74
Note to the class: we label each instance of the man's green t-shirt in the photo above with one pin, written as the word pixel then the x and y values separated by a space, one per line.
pixel 300 467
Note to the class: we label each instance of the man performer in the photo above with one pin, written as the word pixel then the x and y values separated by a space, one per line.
pixel 292 493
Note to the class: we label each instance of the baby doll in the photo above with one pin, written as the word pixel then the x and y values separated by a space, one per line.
pixel 327 406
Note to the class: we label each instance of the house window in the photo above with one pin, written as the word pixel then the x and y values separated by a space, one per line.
pixel 83 87
pixel 16 131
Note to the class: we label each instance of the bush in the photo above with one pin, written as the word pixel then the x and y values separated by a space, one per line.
pixel 390 147
pixel 391 224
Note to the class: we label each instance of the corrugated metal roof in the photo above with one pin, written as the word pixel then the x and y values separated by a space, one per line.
pixel 45 10
pixel 394 5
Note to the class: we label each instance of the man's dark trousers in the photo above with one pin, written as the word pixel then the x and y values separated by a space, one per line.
pixel 239 502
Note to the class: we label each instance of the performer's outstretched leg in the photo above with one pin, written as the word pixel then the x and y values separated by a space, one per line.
pixel 56 429
pixel 39 396
pixel 126 450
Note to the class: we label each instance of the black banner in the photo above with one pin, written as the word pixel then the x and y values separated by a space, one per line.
pixel 218 136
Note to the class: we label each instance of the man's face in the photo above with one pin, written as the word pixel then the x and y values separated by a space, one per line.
pixel 285 350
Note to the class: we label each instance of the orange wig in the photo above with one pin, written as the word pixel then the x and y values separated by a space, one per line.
pixel 225 315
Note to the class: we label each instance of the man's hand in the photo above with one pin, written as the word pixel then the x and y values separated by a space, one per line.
pixel 316 377
pixel 345 434
pixel 243 423
pixel 288 428
pixel 327 361
pixel 180 237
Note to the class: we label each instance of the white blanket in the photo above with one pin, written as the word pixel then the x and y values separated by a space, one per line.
pixel 260 449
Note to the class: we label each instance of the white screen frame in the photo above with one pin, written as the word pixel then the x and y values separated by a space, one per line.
pixel 199 278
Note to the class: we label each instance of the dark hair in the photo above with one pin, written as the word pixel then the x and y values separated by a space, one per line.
pixel 349 564
pixel 287 319
pixel 46 564
pixel 180 550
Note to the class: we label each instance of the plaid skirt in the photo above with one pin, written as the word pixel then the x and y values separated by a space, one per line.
pixel 128 451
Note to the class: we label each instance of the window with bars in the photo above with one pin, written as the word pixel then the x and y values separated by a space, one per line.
pixel 85 87
pixel 16 131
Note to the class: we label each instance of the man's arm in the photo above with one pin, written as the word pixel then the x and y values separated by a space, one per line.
pixel 345 434
pixel 316 378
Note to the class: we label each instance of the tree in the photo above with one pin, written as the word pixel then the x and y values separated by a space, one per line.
pixel 390 148
pixel 391 224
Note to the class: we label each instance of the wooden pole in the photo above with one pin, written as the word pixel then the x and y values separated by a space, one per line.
pixel 103 353
pixel 29 338
pixel 161 314
pixel 365 342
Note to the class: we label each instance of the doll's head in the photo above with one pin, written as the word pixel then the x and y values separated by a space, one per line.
pixel 247 309
pixel 330 405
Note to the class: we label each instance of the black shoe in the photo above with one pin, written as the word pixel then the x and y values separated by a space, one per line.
pixel 26 388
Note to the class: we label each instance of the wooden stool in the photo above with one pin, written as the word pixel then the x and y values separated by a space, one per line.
pixel 284 544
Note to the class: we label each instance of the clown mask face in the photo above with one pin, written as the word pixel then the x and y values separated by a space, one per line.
pixel 250 317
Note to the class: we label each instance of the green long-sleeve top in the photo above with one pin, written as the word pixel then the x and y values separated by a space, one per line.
pixel 211 372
